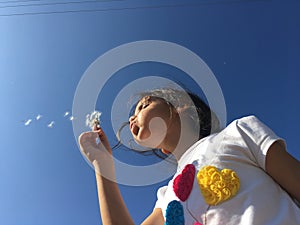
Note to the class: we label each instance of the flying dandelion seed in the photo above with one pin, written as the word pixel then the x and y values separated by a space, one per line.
pixel 28 122
pixel 51 124
pixel 71 118
pixel 93 119
pixel 38 117
pixel 66 114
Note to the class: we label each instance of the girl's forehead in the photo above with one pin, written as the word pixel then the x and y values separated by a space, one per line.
pixel 149 98
pixel 144 99
pixel 136 105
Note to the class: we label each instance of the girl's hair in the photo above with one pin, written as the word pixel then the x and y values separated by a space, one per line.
pixel 191 104
pixel 183 101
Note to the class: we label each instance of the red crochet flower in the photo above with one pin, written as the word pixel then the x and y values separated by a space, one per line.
pixel 183 183
pixel 197 223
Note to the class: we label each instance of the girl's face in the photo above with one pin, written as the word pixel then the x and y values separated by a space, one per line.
pixel 150 122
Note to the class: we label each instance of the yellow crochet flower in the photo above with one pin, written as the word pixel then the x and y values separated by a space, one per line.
pixel 217 186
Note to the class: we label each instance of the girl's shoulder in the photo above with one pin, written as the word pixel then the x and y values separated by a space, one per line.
pixel 246 120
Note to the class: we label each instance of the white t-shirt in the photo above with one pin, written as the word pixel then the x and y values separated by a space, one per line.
pixel 242 147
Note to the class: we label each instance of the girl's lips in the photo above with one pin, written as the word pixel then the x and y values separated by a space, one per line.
pixel 134 128
pixel 130 125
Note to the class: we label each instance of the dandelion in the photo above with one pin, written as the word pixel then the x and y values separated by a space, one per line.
pixel 66 114
pixel 93 119
pixel 71 118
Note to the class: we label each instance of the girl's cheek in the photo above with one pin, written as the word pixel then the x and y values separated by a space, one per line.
pixel 144 133
pixel 146 139
pixel 142 140
pixel 153 134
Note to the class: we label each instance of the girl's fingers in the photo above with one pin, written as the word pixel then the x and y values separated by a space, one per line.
pixel 104 139
pixel 98 130
pixel 87 137
pixel 101 134
pixel 95 128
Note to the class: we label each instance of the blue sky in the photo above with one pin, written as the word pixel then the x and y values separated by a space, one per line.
pixel 252 47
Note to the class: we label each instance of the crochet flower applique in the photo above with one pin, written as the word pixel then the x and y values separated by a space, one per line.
pixel 174 213
pixel 182 187
pixel 183 183
pixel 217 186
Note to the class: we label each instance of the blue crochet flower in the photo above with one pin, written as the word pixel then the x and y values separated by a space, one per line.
pixel 174 213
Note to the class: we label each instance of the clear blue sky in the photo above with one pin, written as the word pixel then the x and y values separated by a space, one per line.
pixel 252 47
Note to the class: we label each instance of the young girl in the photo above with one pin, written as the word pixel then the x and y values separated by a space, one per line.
pixel 241 174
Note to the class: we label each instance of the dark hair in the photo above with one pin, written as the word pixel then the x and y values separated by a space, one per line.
pixel 192 104
pixel 202 116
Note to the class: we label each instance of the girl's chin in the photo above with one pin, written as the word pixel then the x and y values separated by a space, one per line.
pixel 145 143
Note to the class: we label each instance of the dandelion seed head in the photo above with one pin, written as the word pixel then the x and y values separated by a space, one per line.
pixel 93 119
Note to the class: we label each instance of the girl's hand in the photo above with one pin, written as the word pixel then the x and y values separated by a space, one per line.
pixel 95 147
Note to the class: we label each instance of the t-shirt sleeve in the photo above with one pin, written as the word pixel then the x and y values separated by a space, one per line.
pixel 258 137
pixel 160 197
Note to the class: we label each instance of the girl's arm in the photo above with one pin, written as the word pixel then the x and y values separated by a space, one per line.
pixel 112 207
pixel 284 169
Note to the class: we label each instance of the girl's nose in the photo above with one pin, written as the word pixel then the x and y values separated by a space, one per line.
pixel 131 118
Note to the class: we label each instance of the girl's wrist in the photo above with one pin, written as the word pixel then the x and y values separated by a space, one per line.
pixel 105 168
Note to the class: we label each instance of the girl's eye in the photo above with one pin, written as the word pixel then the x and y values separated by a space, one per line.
pixel 144 105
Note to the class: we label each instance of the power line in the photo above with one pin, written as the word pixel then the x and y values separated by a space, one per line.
pixel 19 1
pixel 58 3
pixel 134 8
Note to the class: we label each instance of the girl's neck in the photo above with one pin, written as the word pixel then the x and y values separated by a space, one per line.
pixel 182 137
pixel 185 142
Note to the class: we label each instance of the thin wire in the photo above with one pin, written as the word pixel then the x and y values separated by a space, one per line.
pixel 132 8
pixel 19 1
pixel 58 3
